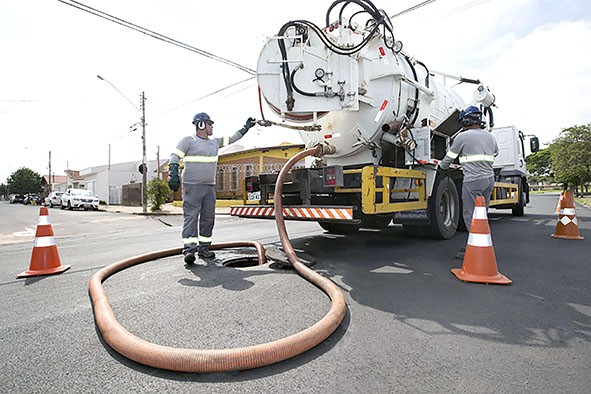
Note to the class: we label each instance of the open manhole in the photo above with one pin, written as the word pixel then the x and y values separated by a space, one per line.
pixel 279 257
pixel 244 257
pixel 237 257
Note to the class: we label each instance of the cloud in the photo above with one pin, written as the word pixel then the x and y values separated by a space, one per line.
pixel 542 81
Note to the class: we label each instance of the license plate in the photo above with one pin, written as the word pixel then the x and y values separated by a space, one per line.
pixel 253 196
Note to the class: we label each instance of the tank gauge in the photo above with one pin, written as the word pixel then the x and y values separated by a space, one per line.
pixel 397 46
pixel 319 73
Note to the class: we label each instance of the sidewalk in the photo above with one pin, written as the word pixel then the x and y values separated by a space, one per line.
pixel 167 209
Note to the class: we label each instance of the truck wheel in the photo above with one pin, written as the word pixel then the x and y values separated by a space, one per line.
pixel 340 228
pixel 444 209
pixel 519 208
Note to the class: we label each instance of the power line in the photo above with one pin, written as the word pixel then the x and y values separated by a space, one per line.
pixel 208 95
pixel 151 33
pixel 415 7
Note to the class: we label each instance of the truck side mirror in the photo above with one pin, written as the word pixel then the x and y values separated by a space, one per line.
pixel 534 144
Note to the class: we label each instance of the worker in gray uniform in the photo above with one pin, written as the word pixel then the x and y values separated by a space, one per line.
pixel 476 149
pixel 199 153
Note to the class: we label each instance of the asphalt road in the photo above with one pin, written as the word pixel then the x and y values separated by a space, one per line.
pixel 411 325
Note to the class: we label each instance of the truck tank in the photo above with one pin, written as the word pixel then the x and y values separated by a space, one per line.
pixel 388 117
pixel 357 86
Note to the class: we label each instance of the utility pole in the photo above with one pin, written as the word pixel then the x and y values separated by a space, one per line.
pixel 144 163
pixel 49 177
pixel 158 160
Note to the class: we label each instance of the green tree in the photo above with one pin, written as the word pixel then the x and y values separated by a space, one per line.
pixel 158 192
pixel 569 153
pixel 24 180
pixel 3 190
pixel 539 165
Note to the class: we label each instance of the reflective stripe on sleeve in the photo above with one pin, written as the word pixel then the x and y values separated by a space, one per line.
pixel 473 158
pixel 201 159
pixel 225 141
pixel 179 153
pixel 452 155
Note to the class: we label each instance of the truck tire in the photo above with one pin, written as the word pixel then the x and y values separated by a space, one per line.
pixel 340 228
pixel 444 209
pixel 519 208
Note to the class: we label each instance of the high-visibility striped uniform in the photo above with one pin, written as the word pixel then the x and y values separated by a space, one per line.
pixel 475 148
pixel 200 156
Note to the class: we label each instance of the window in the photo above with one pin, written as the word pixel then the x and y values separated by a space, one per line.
pixel 221 181
pixel 234 181
pixel 249 171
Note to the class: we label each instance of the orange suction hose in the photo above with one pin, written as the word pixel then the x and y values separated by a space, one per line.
pixel 219 360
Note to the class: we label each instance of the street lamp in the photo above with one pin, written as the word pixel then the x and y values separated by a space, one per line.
pixel 143 166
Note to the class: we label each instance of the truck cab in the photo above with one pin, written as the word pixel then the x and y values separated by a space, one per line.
pixel 510 165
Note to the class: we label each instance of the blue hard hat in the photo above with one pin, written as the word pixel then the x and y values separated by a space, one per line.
pixel 201 117
pixel 470 111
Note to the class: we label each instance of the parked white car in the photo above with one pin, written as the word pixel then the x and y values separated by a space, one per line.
pixel 79 198
pixel 53 200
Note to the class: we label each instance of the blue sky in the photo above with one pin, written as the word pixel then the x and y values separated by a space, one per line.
pixel 532 53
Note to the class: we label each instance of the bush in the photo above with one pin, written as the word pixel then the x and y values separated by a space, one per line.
pixel 158 191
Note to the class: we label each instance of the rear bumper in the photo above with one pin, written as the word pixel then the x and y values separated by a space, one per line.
pixel 304 213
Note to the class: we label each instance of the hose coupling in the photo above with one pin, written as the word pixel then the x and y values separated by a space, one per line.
pixel 264 123
pixel 325 149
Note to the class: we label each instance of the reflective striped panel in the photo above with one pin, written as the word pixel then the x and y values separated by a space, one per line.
pixel 568 211
pixel 43 221
pixel 179 153
pixel 203 239
pixel 43 242
pixel 473 158
pixel 480 240
pixel 201 159
pixel 479 213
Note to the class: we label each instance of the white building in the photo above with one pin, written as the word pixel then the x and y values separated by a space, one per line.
pixel 107 181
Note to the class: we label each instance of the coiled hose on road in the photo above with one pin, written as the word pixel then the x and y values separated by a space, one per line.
pixel 220 360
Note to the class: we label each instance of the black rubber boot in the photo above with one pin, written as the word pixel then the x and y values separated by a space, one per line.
pixel 205 253
pixel 189 258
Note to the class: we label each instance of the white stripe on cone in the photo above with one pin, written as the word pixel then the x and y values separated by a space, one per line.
pixel 44 242
pixel 480 240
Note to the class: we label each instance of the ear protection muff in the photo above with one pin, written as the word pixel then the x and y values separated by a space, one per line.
pixel 201 125
pixel 473 119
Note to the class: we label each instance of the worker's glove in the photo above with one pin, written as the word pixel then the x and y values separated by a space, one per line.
pixel 174 181
pixel 247 126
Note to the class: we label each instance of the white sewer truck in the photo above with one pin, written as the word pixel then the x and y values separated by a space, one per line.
pixel 388 119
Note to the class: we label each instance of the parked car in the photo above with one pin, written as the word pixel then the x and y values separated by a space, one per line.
pixel 32 199
pixel 79 198
pixel 16 198
pixel 54 199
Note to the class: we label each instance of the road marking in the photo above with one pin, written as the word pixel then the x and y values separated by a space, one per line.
pixel 27 233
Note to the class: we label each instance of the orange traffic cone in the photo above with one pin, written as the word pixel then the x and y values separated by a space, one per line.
pixel 480 263
pixel 559 204
pixel 567 227
pixel 45 260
